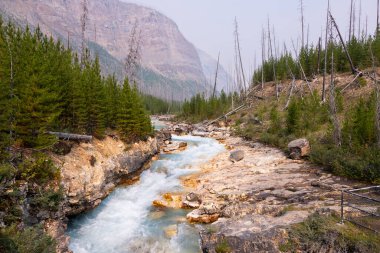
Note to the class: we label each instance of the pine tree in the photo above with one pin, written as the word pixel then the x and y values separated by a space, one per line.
pixel 126 119
pixel 112 97
pixel 5 81
pixel 36 92
pixel 91 101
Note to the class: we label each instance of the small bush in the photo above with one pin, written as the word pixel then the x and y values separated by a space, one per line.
pixel 322 232
pixel 30 240
pixel 39 170
pixel 362 82
pixel 223 247
pixel 7 172
pixel 49 200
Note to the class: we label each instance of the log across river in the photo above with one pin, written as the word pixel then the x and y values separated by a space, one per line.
pixel 126 221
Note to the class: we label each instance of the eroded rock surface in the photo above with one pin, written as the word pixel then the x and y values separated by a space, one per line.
pixel 92 170
pixel 256 198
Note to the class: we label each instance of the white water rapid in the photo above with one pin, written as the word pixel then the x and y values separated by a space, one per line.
pixel 124 223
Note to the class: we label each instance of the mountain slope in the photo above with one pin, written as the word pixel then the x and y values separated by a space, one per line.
pixel 166 54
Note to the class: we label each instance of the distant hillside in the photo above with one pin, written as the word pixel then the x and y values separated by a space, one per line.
pixel 170 64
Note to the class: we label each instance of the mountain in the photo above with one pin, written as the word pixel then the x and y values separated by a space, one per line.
pixel 169 63
pixel 224 81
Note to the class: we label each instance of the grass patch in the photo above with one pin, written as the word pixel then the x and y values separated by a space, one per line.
pixel 324 233
pixel 223 247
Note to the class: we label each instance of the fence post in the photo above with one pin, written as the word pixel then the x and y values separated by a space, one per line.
pixel 341 208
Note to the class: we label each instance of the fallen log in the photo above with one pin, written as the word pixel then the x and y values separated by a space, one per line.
pixel 227 114
pixel 68 136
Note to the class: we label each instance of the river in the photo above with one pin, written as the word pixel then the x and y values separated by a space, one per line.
pixel 127 222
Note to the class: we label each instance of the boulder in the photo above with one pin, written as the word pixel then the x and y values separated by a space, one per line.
pixel 175 146
pixel 237 155
pixel 192 200
pixel 199 133
pixel 193 197
pixel 208 208
pixel 197 216
pixel 169 201
pixel 299 148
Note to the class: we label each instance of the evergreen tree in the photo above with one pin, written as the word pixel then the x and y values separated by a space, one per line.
pixel 91 113
pixel 112 97
pixel 126 119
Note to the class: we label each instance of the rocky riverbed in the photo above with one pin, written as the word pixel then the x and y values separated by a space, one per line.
pixel 251 193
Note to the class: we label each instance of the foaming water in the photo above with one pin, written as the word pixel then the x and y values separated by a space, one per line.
pixel 126 221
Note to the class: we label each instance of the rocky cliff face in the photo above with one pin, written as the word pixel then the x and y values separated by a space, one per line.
pixel 165 51
pixel 92 170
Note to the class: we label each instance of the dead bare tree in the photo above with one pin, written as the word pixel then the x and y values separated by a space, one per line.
pixel 377 92
pixel 83 21
pixel 333 111
pixel 301 68
pixel 216 77
pixel 326 45
pixel 273 60
pixel 262 59
pixel 350 30
pixel 302 24
pixel 237 47
pixel 333 23
pixel 360 19
pixel 319 55
pixel 377 14
pixel 354 19
pixel 292 75
pixel 133 59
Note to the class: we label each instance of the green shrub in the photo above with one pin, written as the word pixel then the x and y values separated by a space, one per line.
pixel 39 170
pixel 293 117
pixel 48 200
pixel 7 171
pixel 362 82
pixel 323 232
pixel 223 247
pixel 362 164
pixel 30 240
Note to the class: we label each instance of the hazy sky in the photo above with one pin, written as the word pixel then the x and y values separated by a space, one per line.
pixel 208 24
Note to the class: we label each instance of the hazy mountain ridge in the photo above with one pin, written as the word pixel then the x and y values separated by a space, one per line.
pixel 170 63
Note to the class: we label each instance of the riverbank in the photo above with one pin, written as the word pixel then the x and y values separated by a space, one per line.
pixel 126 221
pixel 91 171
pixel 252 203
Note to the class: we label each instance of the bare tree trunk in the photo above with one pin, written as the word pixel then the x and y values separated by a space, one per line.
pixel 377 14
pixel 216 76
pixel 333 110
pixel 262 59
pixel 377 90
pixel 292 75
pixel 239 54
pixel 326 45
pixel 273 61
pixel 302 24
pixel 133 60
pixel 83 20
pixel 353 69
pixel 350 30
pixel 354 20
pixel 300 66
pixel 360 19
pixel 319 55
